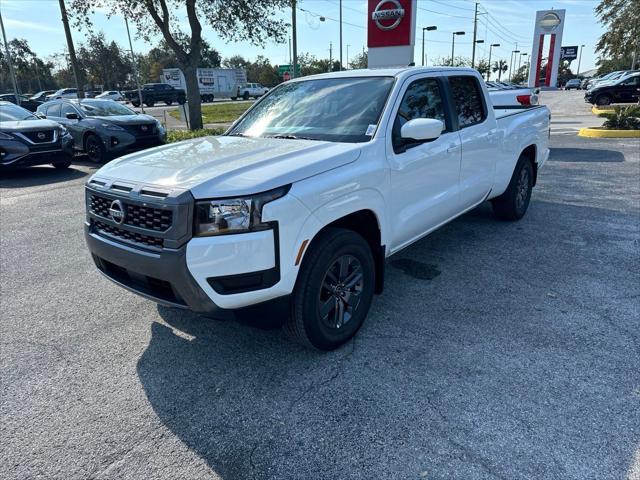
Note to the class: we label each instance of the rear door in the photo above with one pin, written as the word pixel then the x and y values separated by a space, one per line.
pixel 424 177
pixel 478 135
pixel 628 90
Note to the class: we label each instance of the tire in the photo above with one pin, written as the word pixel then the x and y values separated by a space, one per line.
pixel 603 99
pixel 513 203
pixel 135 104
pixel 333 258
pixel 245 96
pixel 168 103
pixel 182 101
pixel 95 149
pixel 62 165
pixel 150 103
pixel 234 98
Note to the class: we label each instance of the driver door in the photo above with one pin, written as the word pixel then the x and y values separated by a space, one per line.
pixel 424 176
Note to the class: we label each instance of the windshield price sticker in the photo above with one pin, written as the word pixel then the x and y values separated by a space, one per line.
pixel 370 130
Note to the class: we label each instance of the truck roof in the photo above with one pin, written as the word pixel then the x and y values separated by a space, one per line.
pixel 387 72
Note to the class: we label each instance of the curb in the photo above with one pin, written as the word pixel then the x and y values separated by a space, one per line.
pixel 599 132
pixel 597 111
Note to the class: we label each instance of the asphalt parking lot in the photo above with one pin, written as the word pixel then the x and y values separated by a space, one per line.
pixel 498 350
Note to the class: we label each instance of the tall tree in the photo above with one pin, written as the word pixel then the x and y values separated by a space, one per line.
pixel 361 60
pixel 230 19
pixel 32 73
pixel 621 18
pixel 483 67
pixel 104 63
pixel 499 66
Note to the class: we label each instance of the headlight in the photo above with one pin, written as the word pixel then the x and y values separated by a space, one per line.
pixel 233 215
pixel 5 136
pixel 111 126
pixel 63 131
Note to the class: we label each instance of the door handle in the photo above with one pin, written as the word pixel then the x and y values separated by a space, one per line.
pixel 453 148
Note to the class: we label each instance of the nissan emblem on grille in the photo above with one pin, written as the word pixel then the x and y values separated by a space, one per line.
pixel 144 128
pixel 42 135
pixel 116 212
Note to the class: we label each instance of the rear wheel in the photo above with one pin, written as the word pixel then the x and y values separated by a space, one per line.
pixel 334 290
pixel 513 203
pixel 135 104
pixel 603 99
pixel 95 149
pixel 181 101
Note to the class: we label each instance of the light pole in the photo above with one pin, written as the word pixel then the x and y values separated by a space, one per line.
pixel 428 29
pixel 512 59
pixel 473 60
pixel 347 56
pixel 135 65
pixel 453 43
pixel 340 35
pixel 9 61
pixel 294 34
pixel 580 59
pixel 520 60
pixel 490 48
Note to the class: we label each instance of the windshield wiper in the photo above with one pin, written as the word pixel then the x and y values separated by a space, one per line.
pixel 237 135
pixel 288 137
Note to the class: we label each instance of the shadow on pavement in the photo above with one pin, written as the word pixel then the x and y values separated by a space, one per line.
pixel 463 374
pixel 582 155
pixel 38 175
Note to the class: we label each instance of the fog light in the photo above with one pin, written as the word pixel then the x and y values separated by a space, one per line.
pixel 114 141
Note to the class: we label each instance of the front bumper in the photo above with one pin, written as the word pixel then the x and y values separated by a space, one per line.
pixel 120 142
pixel 14 153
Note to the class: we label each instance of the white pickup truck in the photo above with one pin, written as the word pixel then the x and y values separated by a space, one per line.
pixel 304 197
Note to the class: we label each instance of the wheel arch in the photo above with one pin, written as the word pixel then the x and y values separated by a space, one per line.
pixel 366 223
pixel 530 153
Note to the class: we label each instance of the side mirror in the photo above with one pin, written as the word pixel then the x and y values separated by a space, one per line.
pixel 72 116
pixel 41 115
pixel 421 129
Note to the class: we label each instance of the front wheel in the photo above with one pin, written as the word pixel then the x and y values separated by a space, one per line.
pixel 168 103
pixel 603 100
pixel 513 203
pixel 334 290
pixel 181 101
pixel 245 96
pixel 135 104
pixel 94 148
pixel 150 103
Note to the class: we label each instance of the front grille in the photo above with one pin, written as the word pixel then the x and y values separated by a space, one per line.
pixel 127 236
pixel 142 130
pixel 149 218
pixel 41 136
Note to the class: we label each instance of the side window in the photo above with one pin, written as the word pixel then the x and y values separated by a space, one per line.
pixel 66 108
pixel 467 97
pixel 53 110
pixel 423 99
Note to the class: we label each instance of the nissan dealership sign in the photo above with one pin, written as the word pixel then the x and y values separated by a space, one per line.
pixel 390 32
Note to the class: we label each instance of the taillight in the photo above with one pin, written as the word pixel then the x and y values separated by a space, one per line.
pixel 524 99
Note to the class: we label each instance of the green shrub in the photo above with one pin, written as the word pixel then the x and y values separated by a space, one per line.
pixel 622 118
pixel 219 112
pixel 179 135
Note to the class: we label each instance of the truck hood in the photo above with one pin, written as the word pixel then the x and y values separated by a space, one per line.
pixel 28 125
pixel 228 166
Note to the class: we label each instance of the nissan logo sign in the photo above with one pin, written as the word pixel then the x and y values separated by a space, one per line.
pixel 387 18
pixel 116 212
pixel 41 136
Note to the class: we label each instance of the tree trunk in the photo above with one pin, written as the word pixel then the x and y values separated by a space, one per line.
pixel 193 97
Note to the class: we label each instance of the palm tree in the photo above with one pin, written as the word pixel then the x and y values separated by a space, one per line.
pixel 499 66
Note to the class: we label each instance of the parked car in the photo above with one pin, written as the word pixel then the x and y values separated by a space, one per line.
pixel 512 94
pixel 111 95
pixel 573 83
pixel 104 129
pixel 28 140
pixel 312 188
pixel 153 93
pixel 25 102
pixel 63 93
pixel 41 96
pixel 584 83
pixel 624 90
pixel 247 90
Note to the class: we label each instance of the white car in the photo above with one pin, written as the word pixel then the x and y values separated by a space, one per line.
pixel 512 95
pixel 64 93
pixel 111 95
pixel 248 90
pixel 308 193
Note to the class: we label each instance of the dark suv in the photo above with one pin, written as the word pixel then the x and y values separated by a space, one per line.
pixel 624 90
pixel 28 140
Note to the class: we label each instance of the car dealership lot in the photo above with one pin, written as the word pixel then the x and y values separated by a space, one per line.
pixel 498 350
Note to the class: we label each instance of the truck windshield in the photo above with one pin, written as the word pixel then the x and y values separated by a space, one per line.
pixel 333 109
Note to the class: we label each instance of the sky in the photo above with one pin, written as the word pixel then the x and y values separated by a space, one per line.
pixel 503 21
